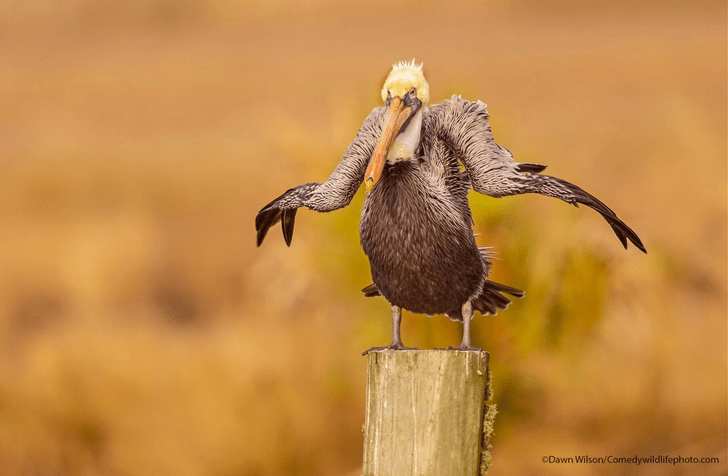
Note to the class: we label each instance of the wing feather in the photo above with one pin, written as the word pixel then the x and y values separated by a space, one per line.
pixel 463 126
pixel 337 192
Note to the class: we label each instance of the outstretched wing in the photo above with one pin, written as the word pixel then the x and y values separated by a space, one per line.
pixel 333 194
pixel 464 126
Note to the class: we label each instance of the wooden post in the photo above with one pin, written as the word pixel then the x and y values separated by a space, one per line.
pixel 426 413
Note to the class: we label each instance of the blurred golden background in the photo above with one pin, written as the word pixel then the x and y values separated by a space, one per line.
pixel 143 333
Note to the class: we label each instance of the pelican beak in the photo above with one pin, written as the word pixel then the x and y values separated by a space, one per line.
pixel 397 115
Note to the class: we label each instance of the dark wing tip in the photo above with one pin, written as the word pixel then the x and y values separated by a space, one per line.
pixel 620 228
pixel 288 220
pixel 624 233
pixel 266 218
pixel 621 235
pixel 632 236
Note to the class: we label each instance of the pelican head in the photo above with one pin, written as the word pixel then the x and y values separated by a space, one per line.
pixel 405 93
pixel 403 78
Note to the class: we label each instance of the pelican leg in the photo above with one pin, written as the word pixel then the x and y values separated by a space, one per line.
pixel 467 311
pixel 396 338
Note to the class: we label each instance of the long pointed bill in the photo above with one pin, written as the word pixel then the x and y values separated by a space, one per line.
pixel 396 117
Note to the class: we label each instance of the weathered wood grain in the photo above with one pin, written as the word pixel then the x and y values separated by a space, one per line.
pixel 426 412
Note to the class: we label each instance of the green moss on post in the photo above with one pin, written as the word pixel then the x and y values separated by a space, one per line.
pixel 426 413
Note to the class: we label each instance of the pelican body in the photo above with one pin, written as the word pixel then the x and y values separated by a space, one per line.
pixel 418 164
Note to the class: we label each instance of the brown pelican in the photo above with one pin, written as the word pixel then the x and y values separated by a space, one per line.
pixel 418 164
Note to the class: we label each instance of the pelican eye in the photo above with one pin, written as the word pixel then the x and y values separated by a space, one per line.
pixel 413 92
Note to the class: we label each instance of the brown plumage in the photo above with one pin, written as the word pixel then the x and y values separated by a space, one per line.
pixel 416 221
